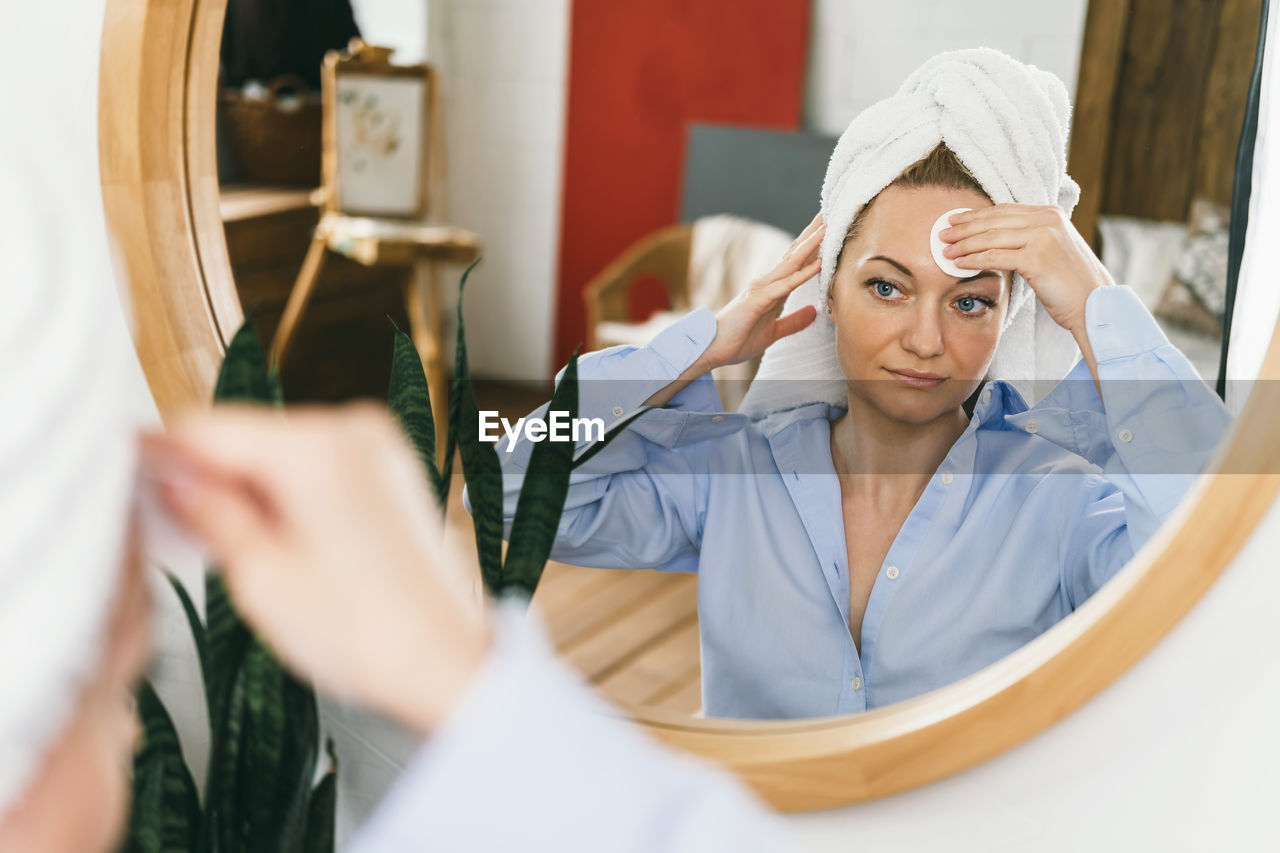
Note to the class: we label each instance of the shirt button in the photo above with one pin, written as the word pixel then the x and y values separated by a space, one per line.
pixel 717 419
pixel 856 684
pixel 986 396
pixel 617 411
pixel 891 573
pixel 947 477
pixel 1032 427
pixel 1126 436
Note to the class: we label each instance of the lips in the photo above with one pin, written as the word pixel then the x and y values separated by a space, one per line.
pixel 916 379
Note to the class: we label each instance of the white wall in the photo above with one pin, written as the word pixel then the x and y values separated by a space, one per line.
pixel 862 50
pixel 1183 753
pixel 505 73
pixel 401 24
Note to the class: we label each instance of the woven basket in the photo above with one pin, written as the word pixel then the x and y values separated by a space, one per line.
pixel 275 142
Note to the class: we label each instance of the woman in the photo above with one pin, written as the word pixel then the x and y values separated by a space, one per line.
pixel 858 552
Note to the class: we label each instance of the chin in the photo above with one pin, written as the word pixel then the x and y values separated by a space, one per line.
pixel 914 406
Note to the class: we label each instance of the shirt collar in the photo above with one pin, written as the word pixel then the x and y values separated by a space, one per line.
pixel 1000 406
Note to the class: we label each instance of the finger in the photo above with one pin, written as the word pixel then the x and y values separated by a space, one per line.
pixel 265 446
pixel 810 228
pixel 781 289
pixel 999 216
pixel 996 238
pixel 233 440
pixel 800 254
pixel 991 259
pixel 996 210
pixel 227 517
pixel 794 322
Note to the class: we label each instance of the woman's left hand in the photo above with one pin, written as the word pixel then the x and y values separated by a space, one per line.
pixel 1039 243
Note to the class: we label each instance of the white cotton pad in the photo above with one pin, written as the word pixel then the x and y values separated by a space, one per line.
pixel 164 542
pixel 936 245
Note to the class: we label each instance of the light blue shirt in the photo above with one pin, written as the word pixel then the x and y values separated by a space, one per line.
pixel 530 760
pixel 1031 511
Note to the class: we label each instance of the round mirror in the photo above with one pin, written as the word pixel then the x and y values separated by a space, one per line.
pixel 830 631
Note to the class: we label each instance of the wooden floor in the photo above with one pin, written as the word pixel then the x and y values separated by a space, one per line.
pixel 633 634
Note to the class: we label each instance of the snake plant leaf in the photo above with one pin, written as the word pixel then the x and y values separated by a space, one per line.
pixel 299 756
pixel 323 807
pixel 542 496
pixel 226 642
pixel 222 803
pixel 455 390
pixel 243 376
pixel 165 813
pixel 149 820
pixel 410 401
pixel 614 431
pixel 480 464
pixel 264 729
pixel 193 622
pixel 263 766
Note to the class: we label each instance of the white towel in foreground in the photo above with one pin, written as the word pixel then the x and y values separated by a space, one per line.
pixel 66 451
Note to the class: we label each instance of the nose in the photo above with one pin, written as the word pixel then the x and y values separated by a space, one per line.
pixel 923 336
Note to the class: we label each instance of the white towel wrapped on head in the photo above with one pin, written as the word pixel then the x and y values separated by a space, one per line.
pixel 1007 122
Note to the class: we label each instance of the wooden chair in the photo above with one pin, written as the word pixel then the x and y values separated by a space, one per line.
pixel 703 263
pixel 663 255
pixel 383 189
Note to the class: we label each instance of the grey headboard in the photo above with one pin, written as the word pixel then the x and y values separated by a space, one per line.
pixel 767 175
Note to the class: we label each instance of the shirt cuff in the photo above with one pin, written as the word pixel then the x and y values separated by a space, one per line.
pixel 1159 416
pixel 483 731
pixel 530 759
pixel 1119 325
pixel 1125 338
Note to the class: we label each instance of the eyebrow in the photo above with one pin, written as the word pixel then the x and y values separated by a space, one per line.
pixel 909 274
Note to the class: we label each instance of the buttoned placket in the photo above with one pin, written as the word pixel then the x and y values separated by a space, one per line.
pixel 814 488
pixel 942 500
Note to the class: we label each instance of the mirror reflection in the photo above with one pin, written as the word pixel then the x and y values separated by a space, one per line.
pixel 885 446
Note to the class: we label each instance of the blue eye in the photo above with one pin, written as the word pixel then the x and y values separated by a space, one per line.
pixel 883 288
pixel 972 305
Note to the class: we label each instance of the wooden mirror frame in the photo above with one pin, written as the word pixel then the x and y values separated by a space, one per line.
pixel 160 189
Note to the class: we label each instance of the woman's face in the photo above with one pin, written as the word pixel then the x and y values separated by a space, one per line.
pixel 895 310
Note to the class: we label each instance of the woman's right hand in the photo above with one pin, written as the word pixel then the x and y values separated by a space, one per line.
pixel 750 323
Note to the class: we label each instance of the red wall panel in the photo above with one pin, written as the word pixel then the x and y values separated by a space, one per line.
pixel 639 72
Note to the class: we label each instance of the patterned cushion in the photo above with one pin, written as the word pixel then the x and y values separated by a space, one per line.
pixel 1196 294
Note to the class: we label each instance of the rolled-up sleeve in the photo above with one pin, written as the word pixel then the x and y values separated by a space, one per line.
pixel 531 760
pixel 640 502
pixel 1150 434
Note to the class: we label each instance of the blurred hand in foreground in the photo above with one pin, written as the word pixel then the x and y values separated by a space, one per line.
pixel 332 546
